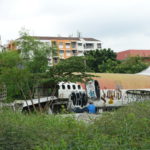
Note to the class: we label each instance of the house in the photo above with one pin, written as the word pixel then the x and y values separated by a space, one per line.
pixel 67 46
pixel 132 53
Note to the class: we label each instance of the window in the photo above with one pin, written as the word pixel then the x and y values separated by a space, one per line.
pixel 99 45
pixel 68 52
pixel 68 86
pixel 73 44
pixel 74 87
pixel 55 60
pixel 79 44
pixel 80 52
pixel 67 45
pixel 60 44
pixel 79 87
pixel 53 43
pixel 61 52
pixel 74 52
pixel 89 46
pixel 63 86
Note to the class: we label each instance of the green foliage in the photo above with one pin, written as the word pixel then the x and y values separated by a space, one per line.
pixel 71 69
pixel 132 65
pixel 34 53
pixel 104 60
pixel 126 128
pixel 110 66
pixel 12 73
pixel 99 57
pixel 9 59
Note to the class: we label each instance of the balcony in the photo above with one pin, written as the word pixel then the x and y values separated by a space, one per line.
pixel 89 46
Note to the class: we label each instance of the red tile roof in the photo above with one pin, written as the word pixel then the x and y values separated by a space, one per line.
pixel 132 52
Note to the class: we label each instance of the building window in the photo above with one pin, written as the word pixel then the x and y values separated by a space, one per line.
pixel 89 46
pixel 80 52
pixel 61 52
pixel 55 60
pixel 60 44
pixel 99 45
pixel 74 52
pixel 79 44
pixel 73 44
pixel 67 45
pixel 68 52
pixel 54 43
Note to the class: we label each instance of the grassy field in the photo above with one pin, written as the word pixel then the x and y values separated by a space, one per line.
pixel 125 129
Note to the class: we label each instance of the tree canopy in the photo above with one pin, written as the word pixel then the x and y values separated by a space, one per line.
pixel 94 58
pixel 104 60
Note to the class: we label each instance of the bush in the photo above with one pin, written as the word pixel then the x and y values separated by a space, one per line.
pixel 126 128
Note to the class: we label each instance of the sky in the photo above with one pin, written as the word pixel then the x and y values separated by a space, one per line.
pixel 118 24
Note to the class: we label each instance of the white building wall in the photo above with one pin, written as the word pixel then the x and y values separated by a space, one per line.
pixel 84 48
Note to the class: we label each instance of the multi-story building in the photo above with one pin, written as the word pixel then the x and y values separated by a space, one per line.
pixel 71 46
pixel 66 46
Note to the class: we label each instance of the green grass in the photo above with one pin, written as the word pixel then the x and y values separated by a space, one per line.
pixel 125 129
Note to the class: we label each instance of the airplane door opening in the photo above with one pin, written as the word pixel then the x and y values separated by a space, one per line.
pixel 97 89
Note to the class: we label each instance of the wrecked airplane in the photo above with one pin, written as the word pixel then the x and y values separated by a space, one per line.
pixel 106 90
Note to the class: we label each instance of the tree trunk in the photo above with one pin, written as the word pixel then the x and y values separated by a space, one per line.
pixel 24 97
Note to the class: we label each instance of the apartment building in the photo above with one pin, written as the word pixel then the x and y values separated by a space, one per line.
pixel 66 46
pixel 71 46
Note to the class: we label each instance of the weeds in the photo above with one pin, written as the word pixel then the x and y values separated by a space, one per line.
pixel 126 128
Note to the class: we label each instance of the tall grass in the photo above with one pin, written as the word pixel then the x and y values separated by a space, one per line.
pixel 125 129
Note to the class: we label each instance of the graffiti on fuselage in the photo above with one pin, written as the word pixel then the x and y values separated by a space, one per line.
pixel 111 95
pixel 90 87
pixel 126 96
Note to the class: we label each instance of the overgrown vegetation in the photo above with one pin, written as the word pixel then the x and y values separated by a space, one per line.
pixel 126 128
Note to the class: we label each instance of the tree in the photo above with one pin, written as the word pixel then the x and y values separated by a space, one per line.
pixel 22 70
pixel 110 66
pixel 99 57
pixel 72 69
pixel 132 65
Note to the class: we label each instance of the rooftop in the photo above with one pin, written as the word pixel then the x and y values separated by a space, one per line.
pixel 63 38
pixel 133 52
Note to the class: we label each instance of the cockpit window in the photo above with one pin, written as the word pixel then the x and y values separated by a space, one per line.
pixel 63 86
pixel 68 86
pixel 74 87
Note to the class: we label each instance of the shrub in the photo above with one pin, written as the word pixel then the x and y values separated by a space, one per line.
pixel 126 128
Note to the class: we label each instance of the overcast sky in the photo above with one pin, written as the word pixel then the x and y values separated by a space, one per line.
pixel 119 24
